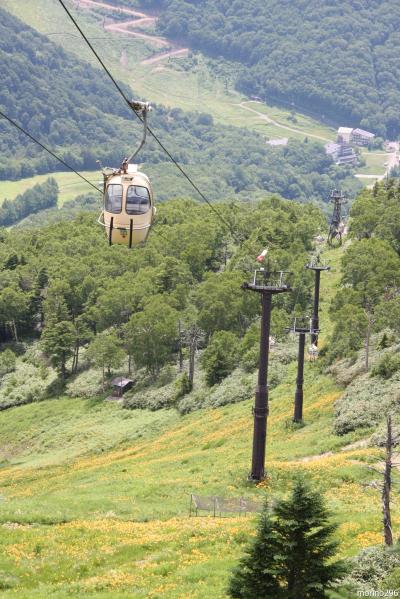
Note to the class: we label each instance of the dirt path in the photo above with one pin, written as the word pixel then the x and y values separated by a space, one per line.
pixel 131 23
pixel 165 55
pixel 130 28
pixel 95 3
pixel 156 41
pixel 351 447
pixel 268 119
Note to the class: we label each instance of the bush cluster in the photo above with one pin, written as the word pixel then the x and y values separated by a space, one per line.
pixel 387 366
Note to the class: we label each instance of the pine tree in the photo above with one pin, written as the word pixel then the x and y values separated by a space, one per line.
pixel 304 534
pixel 257 574
pixel 58 342
pixel 291 555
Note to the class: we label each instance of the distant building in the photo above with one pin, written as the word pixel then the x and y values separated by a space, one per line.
pixel 357 137
pixel 347 156
pixel 332 149
pixel 283 141
pixel 341 153
pixel 344 135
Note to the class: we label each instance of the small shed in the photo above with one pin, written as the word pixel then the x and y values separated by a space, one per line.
pixel 120 384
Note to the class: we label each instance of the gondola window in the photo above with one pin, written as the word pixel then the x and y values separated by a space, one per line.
pixel 137 200
pixel 113 202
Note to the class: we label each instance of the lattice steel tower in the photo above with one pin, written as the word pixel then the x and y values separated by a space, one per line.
pixel 336 228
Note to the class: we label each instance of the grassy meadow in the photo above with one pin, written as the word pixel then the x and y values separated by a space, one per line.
pixel 70 185
pixel 375 163
pixel 115 519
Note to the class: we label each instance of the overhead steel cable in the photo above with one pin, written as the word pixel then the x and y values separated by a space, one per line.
pixel 10 120
pixel 155 137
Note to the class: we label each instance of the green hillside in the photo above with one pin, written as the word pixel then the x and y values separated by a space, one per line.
pixel 191 83
pixel 95 124
pixel 99 496
pixel 126 507
pixel 96 491
pixel 338 60
pixel 95 494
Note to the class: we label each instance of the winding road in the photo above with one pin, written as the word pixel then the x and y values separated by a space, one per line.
pixel 268 119
pixel 130 28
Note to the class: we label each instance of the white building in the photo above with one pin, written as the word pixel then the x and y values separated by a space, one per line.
pixel 361 137
pixel 344 135
pixel 341 153
pixel 282 141
pixel 357 137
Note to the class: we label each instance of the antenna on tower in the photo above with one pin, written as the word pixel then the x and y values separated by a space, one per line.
pixel 336 227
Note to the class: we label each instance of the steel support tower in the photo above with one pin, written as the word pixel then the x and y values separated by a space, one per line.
pixel 317 267
pixel 267 284
pixel 302 327
pixel 336 226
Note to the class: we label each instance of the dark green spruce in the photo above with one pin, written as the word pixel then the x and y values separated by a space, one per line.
pixel 291 557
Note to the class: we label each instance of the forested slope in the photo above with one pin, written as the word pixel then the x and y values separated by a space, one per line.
pixel 74 109
pixel 66 286
pixel 338 58
pixel 364 350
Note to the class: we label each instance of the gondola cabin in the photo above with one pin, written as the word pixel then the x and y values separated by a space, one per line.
pixel 129 209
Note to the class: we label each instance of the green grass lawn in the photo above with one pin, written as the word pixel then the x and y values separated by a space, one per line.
pixel 70 185
pixel 375 163
pixel 329 282
pixel 124 510
pixel 304 125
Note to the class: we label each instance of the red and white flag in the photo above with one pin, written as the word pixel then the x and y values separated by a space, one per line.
pixel 262 256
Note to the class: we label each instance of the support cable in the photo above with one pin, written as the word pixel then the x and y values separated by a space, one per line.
pixel 155 137
pixel 49 151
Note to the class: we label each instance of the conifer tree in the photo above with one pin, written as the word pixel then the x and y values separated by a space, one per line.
pixel 304 534
pixel 291 556
pixel 58 341
pixel 257 574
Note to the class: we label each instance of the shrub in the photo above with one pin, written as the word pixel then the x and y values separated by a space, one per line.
pixel 220 357
pixel 387 366
pixel 238 387
pixel 86 384
pixel 363 405
pixel 370 567
pixel 249 361
pixel 25 385
pixel 183 386
pixel 7 361
pixel 190 403
pixel 166 376
pixel 155 398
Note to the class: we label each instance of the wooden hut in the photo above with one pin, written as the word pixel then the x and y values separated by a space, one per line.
pixel 120 384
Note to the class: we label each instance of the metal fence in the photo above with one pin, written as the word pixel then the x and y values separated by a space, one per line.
pixel 218 506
